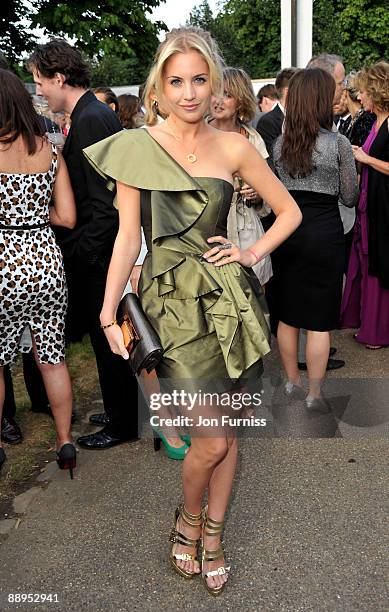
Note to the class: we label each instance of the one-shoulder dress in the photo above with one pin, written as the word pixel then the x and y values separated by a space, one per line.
pixel 211 321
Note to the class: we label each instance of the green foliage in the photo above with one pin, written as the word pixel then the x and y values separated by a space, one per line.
pixel 14 37
pixel 358 30
pixel 115 29
pixel 327 33
pixel 113 70
pixel 365 31
pixel 256 26
pixel 252 44
pixel 202 17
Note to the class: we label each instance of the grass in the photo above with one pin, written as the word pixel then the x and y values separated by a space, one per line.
pixel 25 460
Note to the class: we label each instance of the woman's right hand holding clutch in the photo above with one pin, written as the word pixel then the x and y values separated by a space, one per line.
pixel 114 335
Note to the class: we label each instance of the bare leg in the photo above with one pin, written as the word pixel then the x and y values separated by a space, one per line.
pixel 287 337
pixel 318 349
pixel 220 486
pixel 210 462
pixel 150 384
pixel 59 391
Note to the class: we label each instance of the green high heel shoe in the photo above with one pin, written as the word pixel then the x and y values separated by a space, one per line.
pixel 173 452
pixel 186 439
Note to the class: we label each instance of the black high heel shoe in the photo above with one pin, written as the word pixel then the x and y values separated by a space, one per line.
pixel 3 457
pixel 67 458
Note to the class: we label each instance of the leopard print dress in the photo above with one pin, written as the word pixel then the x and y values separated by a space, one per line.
pixel 32 279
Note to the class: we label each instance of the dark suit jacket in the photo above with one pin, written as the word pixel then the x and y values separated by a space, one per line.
pixel 269 127
pixel 97 220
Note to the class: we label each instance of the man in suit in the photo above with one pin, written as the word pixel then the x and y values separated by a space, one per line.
pixel 267 98
pixel 269 125
pixel 63 78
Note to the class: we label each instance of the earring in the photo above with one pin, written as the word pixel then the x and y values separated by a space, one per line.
pixel 155 105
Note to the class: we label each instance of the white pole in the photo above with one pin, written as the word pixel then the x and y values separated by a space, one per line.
pixel 304 32
pixel 286 33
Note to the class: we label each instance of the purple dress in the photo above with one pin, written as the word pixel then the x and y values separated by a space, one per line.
pixel 365 303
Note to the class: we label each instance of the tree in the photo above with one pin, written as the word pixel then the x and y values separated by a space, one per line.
pixel 201 16
pixel 106 29
pixel 358 30
pixel 113 70
pixel 245 41
pixel 255 27
pixel 365 31
pixel 327 33
pixel 14 36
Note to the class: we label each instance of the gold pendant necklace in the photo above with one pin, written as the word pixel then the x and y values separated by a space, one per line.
pixel 191 157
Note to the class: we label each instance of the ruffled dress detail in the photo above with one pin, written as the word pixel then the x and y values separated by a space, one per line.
pixel 212 322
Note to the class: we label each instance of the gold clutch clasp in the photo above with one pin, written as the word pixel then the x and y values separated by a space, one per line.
pixel 130 335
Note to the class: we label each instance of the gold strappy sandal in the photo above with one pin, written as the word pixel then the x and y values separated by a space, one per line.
pixel 212 528
pixel 193 520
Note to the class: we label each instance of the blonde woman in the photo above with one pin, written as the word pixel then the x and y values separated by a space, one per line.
pixel 196 287
pixel 232 112
pixel 360 121
pixel 365 303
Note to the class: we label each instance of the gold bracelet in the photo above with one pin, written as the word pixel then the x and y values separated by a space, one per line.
pixel 114 322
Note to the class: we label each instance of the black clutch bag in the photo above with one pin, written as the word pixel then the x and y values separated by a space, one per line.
pixel 139 337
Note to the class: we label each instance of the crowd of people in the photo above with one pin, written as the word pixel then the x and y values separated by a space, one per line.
pixel 220 197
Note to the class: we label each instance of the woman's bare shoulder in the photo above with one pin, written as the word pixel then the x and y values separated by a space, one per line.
pixel 232 140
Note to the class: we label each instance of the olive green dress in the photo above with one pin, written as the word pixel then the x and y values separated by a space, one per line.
pixel 211 321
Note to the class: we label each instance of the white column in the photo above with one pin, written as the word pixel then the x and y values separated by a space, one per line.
pixel 304 32
pixel 286 33
pixel 296 32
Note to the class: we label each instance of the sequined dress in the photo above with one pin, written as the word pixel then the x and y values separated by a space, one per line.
pixel 308 266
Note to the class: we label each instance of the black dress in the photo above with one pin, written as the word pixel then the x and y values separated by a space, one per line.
pixel 358 128
pixel 308 267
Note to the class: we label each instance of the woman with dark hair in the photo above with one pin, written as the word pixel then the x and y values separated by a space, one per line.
pixel 129 111
pixel 316 165
pixel 107 96
pixel 366 296
pixel 32 279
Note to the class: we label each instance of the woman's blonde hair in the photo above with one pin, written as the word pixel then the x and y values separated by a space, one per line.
pixel 180 40
pixel 351 86
pixel 237 83
pixel 374 80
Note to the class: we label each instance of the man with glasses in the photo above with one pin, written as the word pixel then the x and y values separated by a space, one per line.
pixel 334 65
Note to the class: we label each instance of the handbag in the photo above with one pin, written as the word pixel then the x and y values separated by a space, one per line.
pixel 140 338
